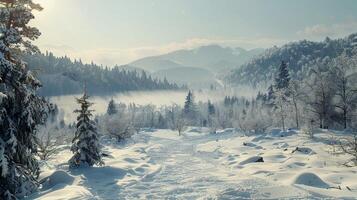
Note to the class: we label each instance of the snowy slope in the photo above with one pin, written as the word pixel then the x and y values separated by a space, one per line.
pixel 162 165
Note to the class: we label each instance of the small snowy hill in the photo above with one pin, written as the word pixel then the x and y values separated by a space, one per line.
pixel 198 165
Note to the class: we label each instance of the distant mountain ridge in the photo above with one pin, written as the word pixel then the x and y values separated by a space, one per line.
pixel 193 76
pixel 300 56
pixel 208 57
pixel 178 66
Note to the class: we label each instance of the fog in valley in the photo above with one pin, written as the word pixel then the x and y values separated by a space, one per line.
pixel 67 103
pixel 179 99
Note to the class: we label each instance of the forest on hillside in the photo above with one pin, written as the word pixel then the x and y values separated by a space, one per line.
pixel 64 76
pixel 300 57
pixel 294 139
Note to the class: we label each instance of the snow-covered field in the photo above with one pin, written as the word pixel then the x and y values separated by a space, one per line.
pixel 197 165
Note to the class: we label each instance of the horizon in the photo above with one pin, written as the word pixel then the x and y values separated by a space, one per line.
pixel 134 30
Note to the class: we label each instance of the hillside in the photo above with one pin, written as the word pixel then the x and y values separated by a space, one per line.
pixel 196 67
pixel 192 76
pixel 61 76
pixel 300 56
pixel 212 57
pixel 159 164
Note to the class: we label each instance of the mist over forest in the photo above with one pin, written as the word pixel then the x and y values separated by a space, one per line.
pixel 178 99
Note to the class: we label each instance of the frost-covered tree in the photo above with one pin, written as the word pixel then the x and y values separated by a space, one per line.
pixel 211 111
pixel 283 78
pixel 48 139
pixel 120 124
pixel 112 109
pixel 281 107
pixel 85 144
pixel 349 146
pixel 189 110
pixel 296 94
pixel 322 92
pixel 21 110
pixel 346 90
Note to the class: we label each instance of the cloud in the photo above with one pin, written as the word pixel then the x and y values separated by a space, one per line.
pixel 113 56
pixel 319 31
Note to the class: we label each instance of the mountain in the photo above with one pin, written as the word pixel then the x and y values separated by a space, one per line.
pixel 61 76
pixel 300 56
pixel 212 57
pixel 153 64
pixel 192 76
pixel 209 60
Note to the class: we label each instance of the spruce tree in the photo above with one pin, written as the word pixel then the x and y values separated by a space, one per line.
pixel 21 110
pixel 85 144
pixel 112 109
pixel 280 97
pixel 189 110
pixel 283 78
pixel 211 108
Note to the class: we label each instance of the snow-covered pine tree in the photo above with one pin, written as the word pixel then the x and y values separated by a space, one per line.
pixel 85 144
pixel 279 99
pixel 189 110
pixel 283 78
pixel 21 110
pixel 112 109
pixel 211 108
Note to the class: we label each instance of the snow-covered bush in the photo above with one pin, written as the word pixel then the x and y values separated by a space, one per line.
pixel 180 124
pixel 349 146
pixel 48 138
pixel 118 126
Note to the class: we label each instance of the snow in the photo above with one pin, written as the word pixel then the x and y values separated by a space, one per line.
pixel 159 164
pixel 2 95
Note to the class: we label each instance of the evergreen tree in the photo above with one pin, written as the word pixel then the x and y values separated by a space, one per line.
pixel 21 110
pixel 85 144
pixel 283 78
pixel 112 109
pixel 189 110
pixel 211 112
pixel 211 108
pixel 270 95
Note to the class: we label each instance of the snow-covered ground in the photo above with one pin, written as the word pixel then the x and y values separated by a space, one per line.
pixel 197 165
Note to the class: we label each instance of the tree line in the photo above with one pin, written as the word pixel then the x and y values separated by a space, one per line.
pixel 64 76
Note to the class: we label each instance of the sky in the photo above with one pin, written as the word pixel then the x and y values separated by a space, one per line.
pixel 110 32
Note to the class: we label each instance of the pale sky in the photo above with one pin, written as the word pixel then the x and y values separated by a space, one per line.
pixel 112 32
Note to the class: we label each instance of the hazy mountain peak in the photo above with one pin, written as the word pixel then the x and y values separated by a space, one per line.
pixel 208 57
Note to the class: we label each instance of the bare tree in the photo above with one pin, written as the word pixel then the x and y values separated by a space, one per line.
pixel 281 104
pixel 180 124
pixel 346 93
pixel 349 146
pixel 322 90
pixel 296 93
pixel 47 140
pixel 119 127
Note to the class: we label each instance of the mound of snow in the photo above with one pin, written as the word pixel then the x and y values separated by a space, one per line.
pixel 226 131
pixel 310 179
pixel 58 177
pixel 287 133
pixel 260 138
pixel 71 192
pixel 304 150
pixel 253 159
pixel 249 144
pixel 281 145
pixel 275 131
